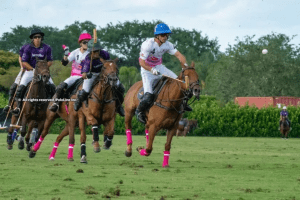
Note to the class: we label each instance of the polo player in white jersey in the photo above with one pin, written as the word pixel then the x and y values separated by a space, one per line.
pixel 150 60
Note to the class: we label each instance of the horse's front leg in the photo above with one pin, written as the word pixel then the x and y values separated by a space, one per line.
pixel 23 133
pixel 71 124
pixel 82 139
pixel 153 129
pixel 128 127
pixel 170 135
pixel 109 133
pixel 10 133
pixel 51 116
pixel 27 137
pixel 59 138
pixel 91 120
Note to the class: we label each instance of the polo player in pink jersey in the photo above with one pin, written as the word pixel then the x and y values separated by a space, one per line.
pixel 75 57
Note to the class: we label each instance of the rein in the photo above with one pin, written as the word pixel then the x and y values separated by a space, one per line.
pixel 105 78
pixel 186 95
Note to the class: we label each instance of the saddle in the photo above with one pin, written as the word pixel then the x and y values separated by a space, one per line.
pixel 157 86
pixel 73 88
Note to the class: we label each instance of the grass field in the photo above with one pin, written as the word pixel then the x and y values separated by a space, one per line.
pixel 200 168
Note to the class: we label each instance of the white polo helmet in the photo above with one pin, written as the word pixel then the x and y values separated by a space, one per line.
pixel 284 108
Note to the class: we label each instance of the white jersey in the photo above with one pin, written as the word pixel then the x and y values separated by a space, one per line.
pixel 152 53
pixel 76 56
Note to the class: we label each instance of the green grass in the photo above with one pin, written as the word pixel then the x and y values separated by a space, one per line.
pixel 201 168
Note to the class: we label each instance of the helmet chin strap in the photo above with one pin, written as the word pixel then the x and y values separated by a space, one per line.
pixel 158 39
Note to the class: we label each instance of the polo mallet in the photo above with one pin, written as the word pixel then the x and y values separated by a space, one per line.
pixel 95 41
pixel 187 82
pixel 12 102
pixel 16 125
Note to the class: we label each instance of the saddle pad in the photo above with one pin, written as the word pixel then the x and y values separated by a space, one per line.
pixel 157 85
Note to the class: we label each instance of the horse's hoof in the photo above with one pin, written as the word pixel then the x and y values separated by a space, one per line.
pixel 70 159
pixel 139 148
pixel 51 158
pixel 83 159
pixel 21 145
pixel 166 166
pixel 105 147
pixel 32 154
pixel 28 147
pixel 128 154
pixel 9 147
pixel 97 149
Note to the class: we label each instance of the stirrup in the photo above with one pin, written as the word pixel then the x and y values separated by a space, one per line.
pixel 6 108
pixel 54 107
pixel 121 111
pixel 141 118
pixel 16 111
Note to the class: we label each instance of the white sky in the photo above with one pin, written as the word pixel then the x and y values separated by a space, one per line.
pixel 222 19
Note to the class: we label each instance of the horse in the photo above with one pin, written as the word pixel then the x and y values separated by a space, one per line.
pixel 101 109
pixel 34 107
pixel 166 111
pixel 284 127
pixel 185 126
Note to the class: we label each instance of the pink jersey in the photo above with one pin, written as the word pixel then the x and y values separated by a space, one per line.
pixel 76 57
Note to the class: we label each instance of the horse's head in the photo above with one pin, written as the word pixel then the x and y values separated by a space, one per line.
pixel 110 71
pixel 194 86
pixel 42 72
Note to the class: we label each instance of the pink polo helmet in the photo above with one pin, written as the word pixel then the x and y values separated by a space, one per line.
pixel 84 36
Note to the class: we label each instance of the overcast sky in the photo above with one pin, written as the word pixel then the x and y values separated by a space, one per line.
pixel 222 19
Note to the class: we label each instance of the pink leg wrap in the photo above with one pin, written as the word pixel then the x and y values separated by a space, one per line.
pixel 71 147
pixel 143 152
pixel 52 155
pixel 166 158
pixel 129 136
pixel 147 136
pixel 38 144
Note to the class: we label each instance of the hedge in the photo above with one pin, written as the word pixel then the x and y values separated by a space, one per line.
pixel 228 120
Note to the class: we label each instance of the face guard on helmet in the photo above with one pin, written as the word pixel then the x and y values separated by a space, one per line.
pixel 93 46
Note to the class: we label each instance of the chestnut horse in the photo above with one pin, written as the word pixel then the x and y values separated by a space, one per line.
pixel 34 107
pixel 101 109
pixel 166 111
pixel 284 128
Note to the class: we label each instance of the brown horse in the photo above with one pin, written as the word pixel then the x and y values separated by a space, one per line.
pixel 185 126
pixel 34 107
pixel 284 128
pixel 101 109
pixel 166 111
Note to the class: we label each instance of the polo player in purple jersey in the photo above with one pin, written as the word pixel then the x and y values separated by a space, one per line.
pixel 36 49
pixel 95 71
pixel 14 86
pixel 285 113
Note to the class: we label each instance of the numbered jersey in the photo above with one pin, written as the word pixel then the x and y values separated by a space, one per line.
pixel 152 53
pixel 77 57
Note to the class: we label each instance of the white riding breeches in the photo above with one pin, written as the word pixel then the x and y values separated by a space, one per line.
pixel 71 80
pixel 27 77
pixel 87 83
pixel 148 77
pixel 18 79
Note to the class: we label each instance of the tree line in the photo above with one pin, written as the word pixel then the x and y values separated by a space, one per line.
pixel 242 70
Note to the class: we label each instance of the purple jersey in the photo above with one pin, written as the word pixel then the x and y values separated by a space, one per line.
pixel 31 52
pixel 22 49
pixel 284 113
pixel 96 64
